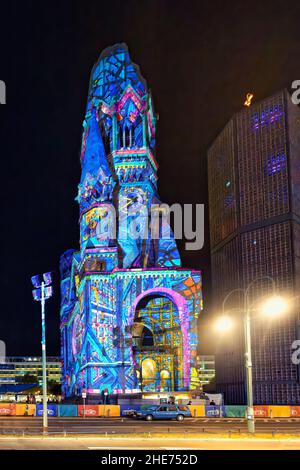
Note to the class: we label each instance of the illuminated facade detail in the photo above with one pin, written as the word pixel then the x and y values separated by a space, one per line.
pixel 248 99
pixel 128 310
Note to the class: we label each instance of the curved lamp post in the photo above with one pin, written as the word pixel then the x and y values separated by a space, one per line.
pixel 274 306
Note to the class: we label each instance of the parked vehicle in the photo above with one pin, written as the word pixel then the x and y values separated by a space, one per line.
pixel 169 411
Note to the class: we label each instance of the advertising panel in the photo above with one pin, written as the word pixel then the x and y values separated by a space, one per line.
pixel 25 410
pixel 51 409
pixel 91 411
pixel 8 409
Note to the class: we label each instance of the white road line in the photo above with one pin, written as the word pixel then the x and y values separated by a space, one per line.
pixel 181 448
pixel 110 448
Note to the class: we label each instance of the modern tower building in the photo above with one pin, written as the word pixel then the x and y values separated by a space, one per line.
pixel 254 201
pixel 128 310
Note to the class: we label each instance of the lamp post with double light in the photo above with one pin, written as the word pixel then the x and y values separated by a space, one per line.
pixel 41 292
pixel 272 307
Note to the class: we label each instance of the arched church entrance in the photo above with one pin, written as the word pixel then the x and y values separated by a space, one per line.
pixel 158 344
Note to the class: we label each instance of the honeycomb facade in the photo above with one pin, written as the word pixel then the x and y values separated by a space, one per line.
pixel 254 191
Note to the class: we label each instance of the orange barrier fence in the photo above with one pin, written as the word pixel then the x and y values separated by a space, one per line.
pixel 197 411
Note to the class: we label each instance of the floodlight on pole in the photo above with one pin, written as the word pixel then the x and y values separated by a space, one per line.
pixel 274 306
pixel 41 292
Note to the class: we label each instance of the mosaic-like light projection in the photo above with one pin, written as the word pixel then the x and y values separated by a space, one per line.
pixel 128 310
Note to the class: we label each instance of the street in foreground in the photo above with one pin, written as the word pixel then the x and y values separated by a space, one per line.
pixel 111 426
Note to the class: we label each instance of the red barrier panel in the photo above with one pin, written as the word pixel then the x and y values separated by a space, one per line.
pixel 91 411
pixel 261 411
pixel 295 411
pixel 8 409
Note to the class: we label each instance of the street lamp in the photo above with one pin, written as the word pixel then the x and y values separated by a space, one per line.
pixel 224 324
pixel 41 292
pixel 274 306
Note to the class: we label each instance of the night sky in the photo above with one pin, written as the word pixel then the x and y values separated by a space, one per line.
pixel 199 59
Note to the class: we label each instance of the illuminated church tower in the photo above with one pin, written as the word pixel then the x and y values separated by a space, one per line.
pixel 128 310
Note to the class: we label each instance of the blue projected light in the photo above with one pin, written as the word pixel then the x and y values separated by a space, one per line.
pixel 47 278
pixel 115 285
pixel 37 293
pixel 275 164
pixel 36 281
pixel 266 117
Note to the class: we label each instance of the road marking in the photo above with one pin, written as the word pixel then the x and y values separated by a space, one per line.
pixel 110 448
pixel 181 448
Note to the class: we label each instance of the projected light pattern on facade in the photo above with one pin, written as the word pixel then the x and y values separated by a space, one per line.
pixel 128 310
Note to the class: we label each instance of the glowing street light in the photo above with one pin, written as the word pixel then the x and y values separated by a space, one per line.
pixel 224 323
pixel 275 306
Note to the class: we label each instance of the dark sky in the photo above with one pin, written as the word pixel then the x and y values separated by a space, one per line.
pixel 199 58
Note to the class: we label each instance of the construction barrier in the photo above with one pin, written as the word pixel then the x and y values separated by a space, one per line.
pixel 294 411
pixel 127 410
pixel 197 411
pixel 89 411
pixel 261 411
pixel 25 410
pixel 51 410
pixel 235 411
pixel 93 411
pixel 67 410
pixel 279 411
pixel 214 411
pixel 7 409
pixel 109 410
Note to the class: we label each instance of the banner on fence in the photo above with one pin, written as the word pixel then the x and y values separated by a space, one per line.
pixel 197 410
pixel 51 410
pixel 109 410
pixel 23 409
pixel 89 411
pixel 127 410
pixel 214 411
pixel 261 411
pixel 295 411
pixel 7 409
pixel 279 411
pixel 235 411
pixel 67 410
